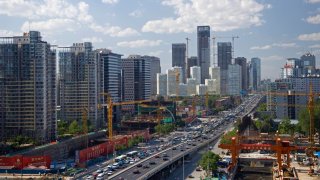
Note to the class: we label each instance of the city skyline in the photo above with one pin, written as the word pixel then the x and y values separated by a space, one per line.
pixel 264 29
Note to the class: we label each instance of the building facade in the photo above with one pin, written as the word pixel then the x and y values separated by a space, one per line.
pixel 255 73
pixel 161 84
pixel 234 79
pixel 216 75
pixel 191 87
pixel 203 42
pixel 27 88
pixel 224 59
pixel 242 61
pixel 154 69
pixel 179 58
pixel 195 73
pixel 136 78
pixel 192 61
pixel 81 82
pixel 174 77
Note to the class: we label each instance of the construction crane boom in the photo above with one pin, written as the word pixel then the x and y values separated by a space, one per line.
pixel 110 105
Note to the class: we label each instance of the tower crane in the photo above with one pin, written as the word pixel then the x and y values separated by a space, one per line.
pixel 110 104
pixel 213 42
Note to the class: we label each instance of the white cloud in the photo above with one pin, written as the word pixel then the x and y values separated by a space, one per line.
pixel 7 33
pixel 45 9
pixel 92 39
pixel 114 31
pixel 313 1
pixel 139 43
pixel 273 58
pixel 155 53
pixel 260 47
pixel 309 37
pixel 136 13
pixel 314 19
pixel 281 45
pixel 221 15
pixel 51 25
pixel 316 46
pixel 110 1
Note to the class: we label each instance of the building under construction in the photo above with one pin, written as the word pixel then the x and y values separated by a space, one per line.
pixel 27 88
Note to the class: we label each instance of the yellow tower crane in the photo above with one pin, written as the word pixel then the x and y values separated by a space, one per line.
pixel 110 106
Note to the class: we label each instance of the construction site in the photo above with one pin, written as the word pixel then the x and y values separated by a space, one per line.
pixel 256 155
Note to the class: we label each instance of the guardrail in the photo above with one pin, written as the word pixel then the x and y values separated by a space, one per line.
pixel 177 157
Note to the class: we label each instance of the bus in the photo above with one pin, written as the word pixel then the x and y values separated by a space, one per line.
pixel 132 154
pixel 120 158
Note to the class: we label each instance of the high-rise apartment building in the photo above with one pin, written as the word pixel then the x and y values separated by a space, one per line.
pixel 27 88
pixel 242 61
pixel 154 69
pixel 81 82
pixel 255 73
pixel 234 79
pixel 179 57
pixel 203 36
pixel 201 89
pixel 162 84
pixel 210 83
pixel 195 73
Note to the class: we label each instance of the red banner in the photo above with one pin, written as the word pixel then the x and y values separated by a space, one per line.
pixel 20 162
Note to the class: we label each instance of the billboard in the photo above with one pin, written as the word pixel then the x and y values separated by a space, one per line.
pixel 20 162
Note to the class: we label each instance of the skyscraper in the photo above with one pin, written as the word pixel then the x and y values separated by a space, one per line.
pixel 195 73
pixel 224 54
pixel 27 88
pixel 179 57
pixel 80 84
pixel 234 79
pixel 162 84
pixel 110 77
pixel 242 61
pixel 192 61
pixel 203 33
pixel 255 73
pixel 154 69
pixel 173 81
pixel 224 59
pixel 136 79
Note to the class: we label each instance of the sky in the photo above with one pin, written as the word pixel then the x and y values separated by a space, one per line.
pixel 272 30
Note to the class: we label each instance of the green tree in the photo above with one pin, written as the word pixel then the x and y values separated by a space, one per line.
pixel 62 127
pixel 285 127
pixel 209 161
pixel 262 107
pixel 164 128
pixel 74 128
pixel 226 138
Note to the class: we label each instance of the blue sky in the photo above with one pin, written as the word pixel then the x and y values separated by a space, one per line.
pixel 270 29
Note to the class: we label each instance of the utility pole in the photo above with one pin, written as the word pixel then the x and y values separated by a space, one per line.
pixel 187 72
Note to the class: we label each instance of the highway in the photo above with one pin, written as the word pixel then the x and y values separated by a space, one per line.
pixel 183 148
pixel 173 155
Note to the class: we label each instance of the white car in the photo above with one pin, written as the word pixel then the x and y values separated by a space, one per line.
pixel 99 171
pixel 89 178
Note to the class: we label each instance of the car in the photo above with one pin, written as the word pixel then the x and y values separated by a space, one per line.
pixel 139 165
pixel 146 166
pixel 174 148
pixel 164 155
pixel 89 178
pixel 136 171
pixel 99 171
pixel 193 144
pixel 157 156
pixel 198 169
pixel 109 173
pixel 181 149
pixel 131 162
pixel 165 159
pixel 152 163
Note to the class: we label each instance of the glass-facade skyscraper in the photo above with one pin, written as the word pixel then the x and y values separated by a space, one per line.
pixel 203 36
pixel 27 88
pixel 179 58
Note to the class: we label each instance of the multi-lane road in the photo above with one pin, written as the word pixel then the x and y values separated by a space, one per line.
pixel 173 154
